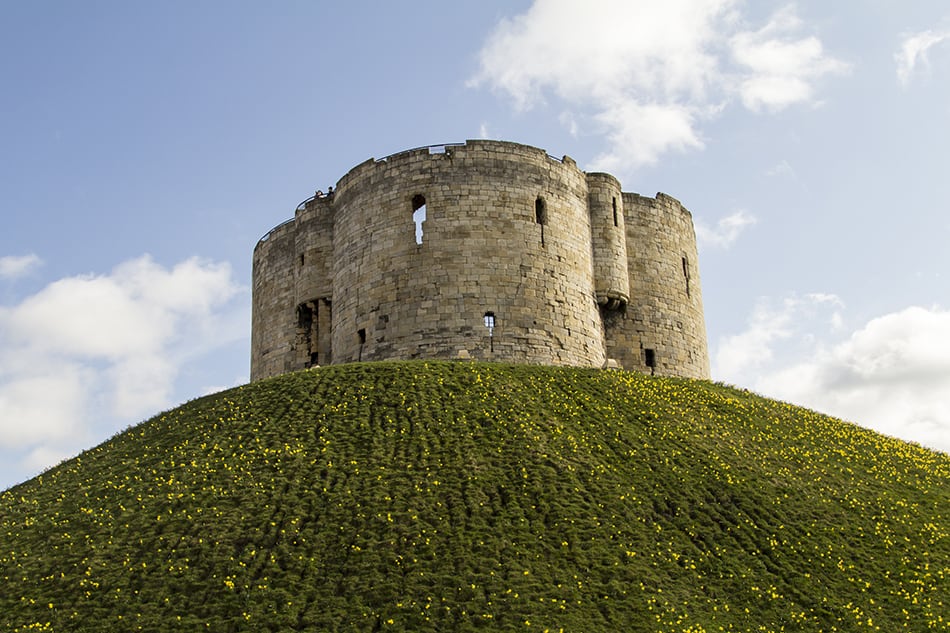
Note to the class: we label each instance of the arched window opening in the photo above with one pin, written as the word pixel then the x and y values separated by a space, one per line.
pixel 418 214
pixel 616 219
pixel 541 215
pixel 649 357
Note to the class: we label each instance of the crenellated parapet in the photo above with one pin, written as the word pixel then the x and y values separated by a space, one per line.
pixel 485 250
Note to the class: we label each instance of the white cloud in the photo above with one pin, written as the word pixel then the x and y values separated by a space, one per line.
pixel 783 169
pixel 97 351
pixel 36 406
pixel 142 385
pixel 601 48
pixel 738 358
pixel 892 374
pixel 726 231
pixel 913 52
pixel 131 312
pixel 780 67
pixel 569 121
pixel 639 133
pixel 15 266
pixel 43 457
pixel 648 73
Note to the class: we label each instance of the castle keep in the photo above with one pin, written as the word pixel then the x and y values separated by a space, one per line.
pixel 486 250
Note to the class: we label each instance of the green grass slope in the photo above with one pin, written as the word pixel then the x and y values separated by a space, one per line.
pixel 462 497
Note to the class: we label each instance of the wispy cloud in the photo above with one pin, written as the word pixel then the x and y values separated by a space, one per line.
pixel 15 266
pixel 891 374
pixel 646 75
pixel 569 121
pixel 783 169
pixel 738 358
pixel 780 67
pixel 726 231
pixel 95 350
pixel 637 134
pixel 912 54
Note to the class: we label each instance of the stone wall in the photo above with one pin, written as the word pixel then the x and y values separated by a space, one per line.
pixel 273 303
pixel 522 257
pixel 662 330
pixel 313 272
pixel 506 232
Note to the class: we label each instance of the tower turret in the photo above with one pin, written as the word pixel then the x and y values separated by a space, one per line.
pixel 608 241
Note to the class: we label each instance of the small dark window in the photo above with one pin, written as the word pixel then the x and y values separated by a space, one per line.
pixel 304 315
pixel 541 215
pixel 362 335
pixel 418 214
pixel 686 274
pixel 650 358
pixel 540 211
pixel 301 259
pixel 616 219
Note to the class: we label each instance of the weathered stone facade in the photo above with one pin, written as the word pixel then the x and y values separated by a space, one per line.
pixel 486 250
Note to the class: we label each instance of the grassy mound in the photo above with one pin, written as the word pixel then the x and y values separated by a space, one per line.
pixel 459 497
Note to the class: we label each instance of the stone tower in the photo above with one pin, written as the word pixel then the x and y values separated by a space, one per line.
pixel 486 250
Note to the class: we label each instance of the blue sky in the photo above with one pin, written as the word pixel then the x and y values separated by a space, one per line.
pixel 147 146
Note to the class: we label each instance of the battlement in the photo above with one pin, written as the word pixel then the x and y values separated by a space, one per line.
pixel 489 250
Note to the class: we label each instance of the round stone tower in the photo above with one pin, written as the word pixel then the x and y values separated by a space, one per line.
pixel 662 330
pixel 481 250
pixel 486 250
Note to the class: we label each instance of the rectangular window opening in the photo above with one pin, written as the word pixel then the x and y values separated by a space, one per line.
pixel 490 324
pixel 650 358
pixel 308 333
pixel 541 215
